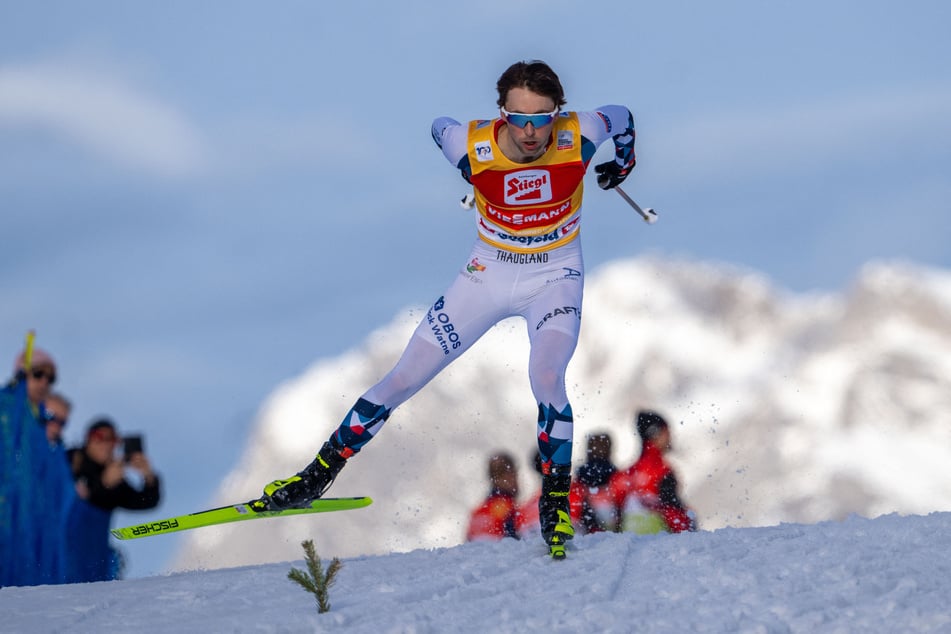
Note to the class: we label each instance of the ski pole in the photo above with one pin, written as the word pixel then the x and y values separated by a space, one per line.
pixel 649 215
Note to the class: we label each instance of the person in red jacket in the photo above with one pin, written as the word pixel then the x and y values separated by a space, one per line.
pixel 592 505
pixel 496 517
pixel 646 495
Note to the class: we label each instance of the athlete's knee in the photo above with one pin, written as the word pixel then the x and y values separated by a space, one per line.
pixel 548 384
pixel 399 384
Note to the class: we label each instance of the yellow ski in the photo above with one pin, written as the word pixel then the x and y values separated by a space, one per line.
pixel 234 513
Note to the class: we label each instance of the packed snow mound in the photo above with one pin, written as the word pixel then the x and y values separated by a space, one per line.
pixel 889 574
pixel 785 408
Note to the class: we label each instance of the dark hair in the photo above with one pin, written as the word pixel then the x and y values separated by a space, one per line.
pixel 99 423
pixel 536 76
pixel 501 463
pixel 649 424
pixel 599 445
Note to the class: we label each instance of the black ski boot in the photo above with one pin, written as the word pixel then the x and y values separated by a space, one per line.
pixel 553 510
pixel 300 490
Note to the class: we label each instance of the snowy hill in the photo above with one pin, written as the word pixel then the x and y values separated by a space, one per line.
pixel 786 408
pixel 890 574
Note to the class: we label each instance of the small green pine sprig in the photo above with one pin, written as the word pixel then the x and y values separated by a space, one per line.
pixel 317 582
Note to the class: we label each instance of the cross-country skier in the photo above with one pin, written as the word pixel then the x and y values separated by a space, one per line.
pixel 526 168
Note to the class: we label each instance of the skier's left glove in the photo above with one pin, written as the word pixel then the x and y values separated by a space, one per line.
pixel 610 174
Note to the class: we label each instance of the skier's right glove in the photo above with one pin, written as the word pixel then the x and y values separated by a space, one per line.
pixel 610 174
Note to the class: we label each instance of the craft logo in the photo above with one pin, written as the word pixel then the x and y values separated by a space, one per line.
pixel 483 151
pixel 560 311
pixel 528 187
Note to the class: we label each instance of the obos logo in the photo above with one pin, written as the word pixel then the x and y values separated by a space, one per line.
pixel 528 187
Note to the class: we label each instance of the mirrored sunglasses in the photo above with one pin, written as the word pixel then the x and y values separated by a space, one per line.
pixel 521 119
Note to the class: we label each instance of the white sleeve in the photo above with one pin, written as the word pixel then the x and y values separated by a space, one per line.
pixel 602 123
pixel 451 137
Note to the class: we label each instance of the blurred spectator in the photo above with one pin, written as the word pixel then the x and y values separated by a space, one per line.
pixel 58 409
pixel 592 505
pixel 100 475
pixel 35 487
pixel 495 518
pixel 646 494
pixel 527 522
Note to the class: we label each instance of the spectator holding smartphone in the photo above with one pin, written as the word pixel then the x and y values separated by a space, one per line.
pixel 100 474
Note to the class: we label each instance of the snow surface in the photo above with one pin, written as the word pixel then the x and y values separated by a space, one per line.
pixel 889 574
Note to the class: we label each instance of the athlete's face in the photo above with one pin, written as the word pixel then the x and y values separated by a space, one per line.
pixel 529 142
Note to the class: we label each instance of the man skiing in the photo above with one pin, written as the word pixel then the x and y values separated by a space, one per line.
pixel 526 168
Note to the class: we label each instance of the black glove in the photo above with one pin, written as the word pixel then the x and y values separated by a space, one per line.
pixel 610 174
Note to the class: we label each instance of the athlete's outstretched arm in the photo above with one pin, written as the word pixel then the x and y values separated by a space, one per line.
pixel 451 137
pixel 609 122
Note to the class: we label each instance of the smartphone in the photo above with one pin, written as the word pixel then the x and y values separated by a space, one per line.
pixel 132 445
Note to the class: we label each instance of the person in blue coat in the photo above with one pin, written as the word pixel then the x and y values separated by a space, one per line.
pixel 36 488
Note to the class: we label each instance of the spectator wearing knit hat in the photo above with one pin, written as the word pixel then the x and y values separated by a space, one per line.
pixel 646 495
pixel 36 489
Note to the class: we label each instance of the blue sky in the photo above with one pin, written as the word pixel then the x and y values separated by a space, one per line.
pixel 197 200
